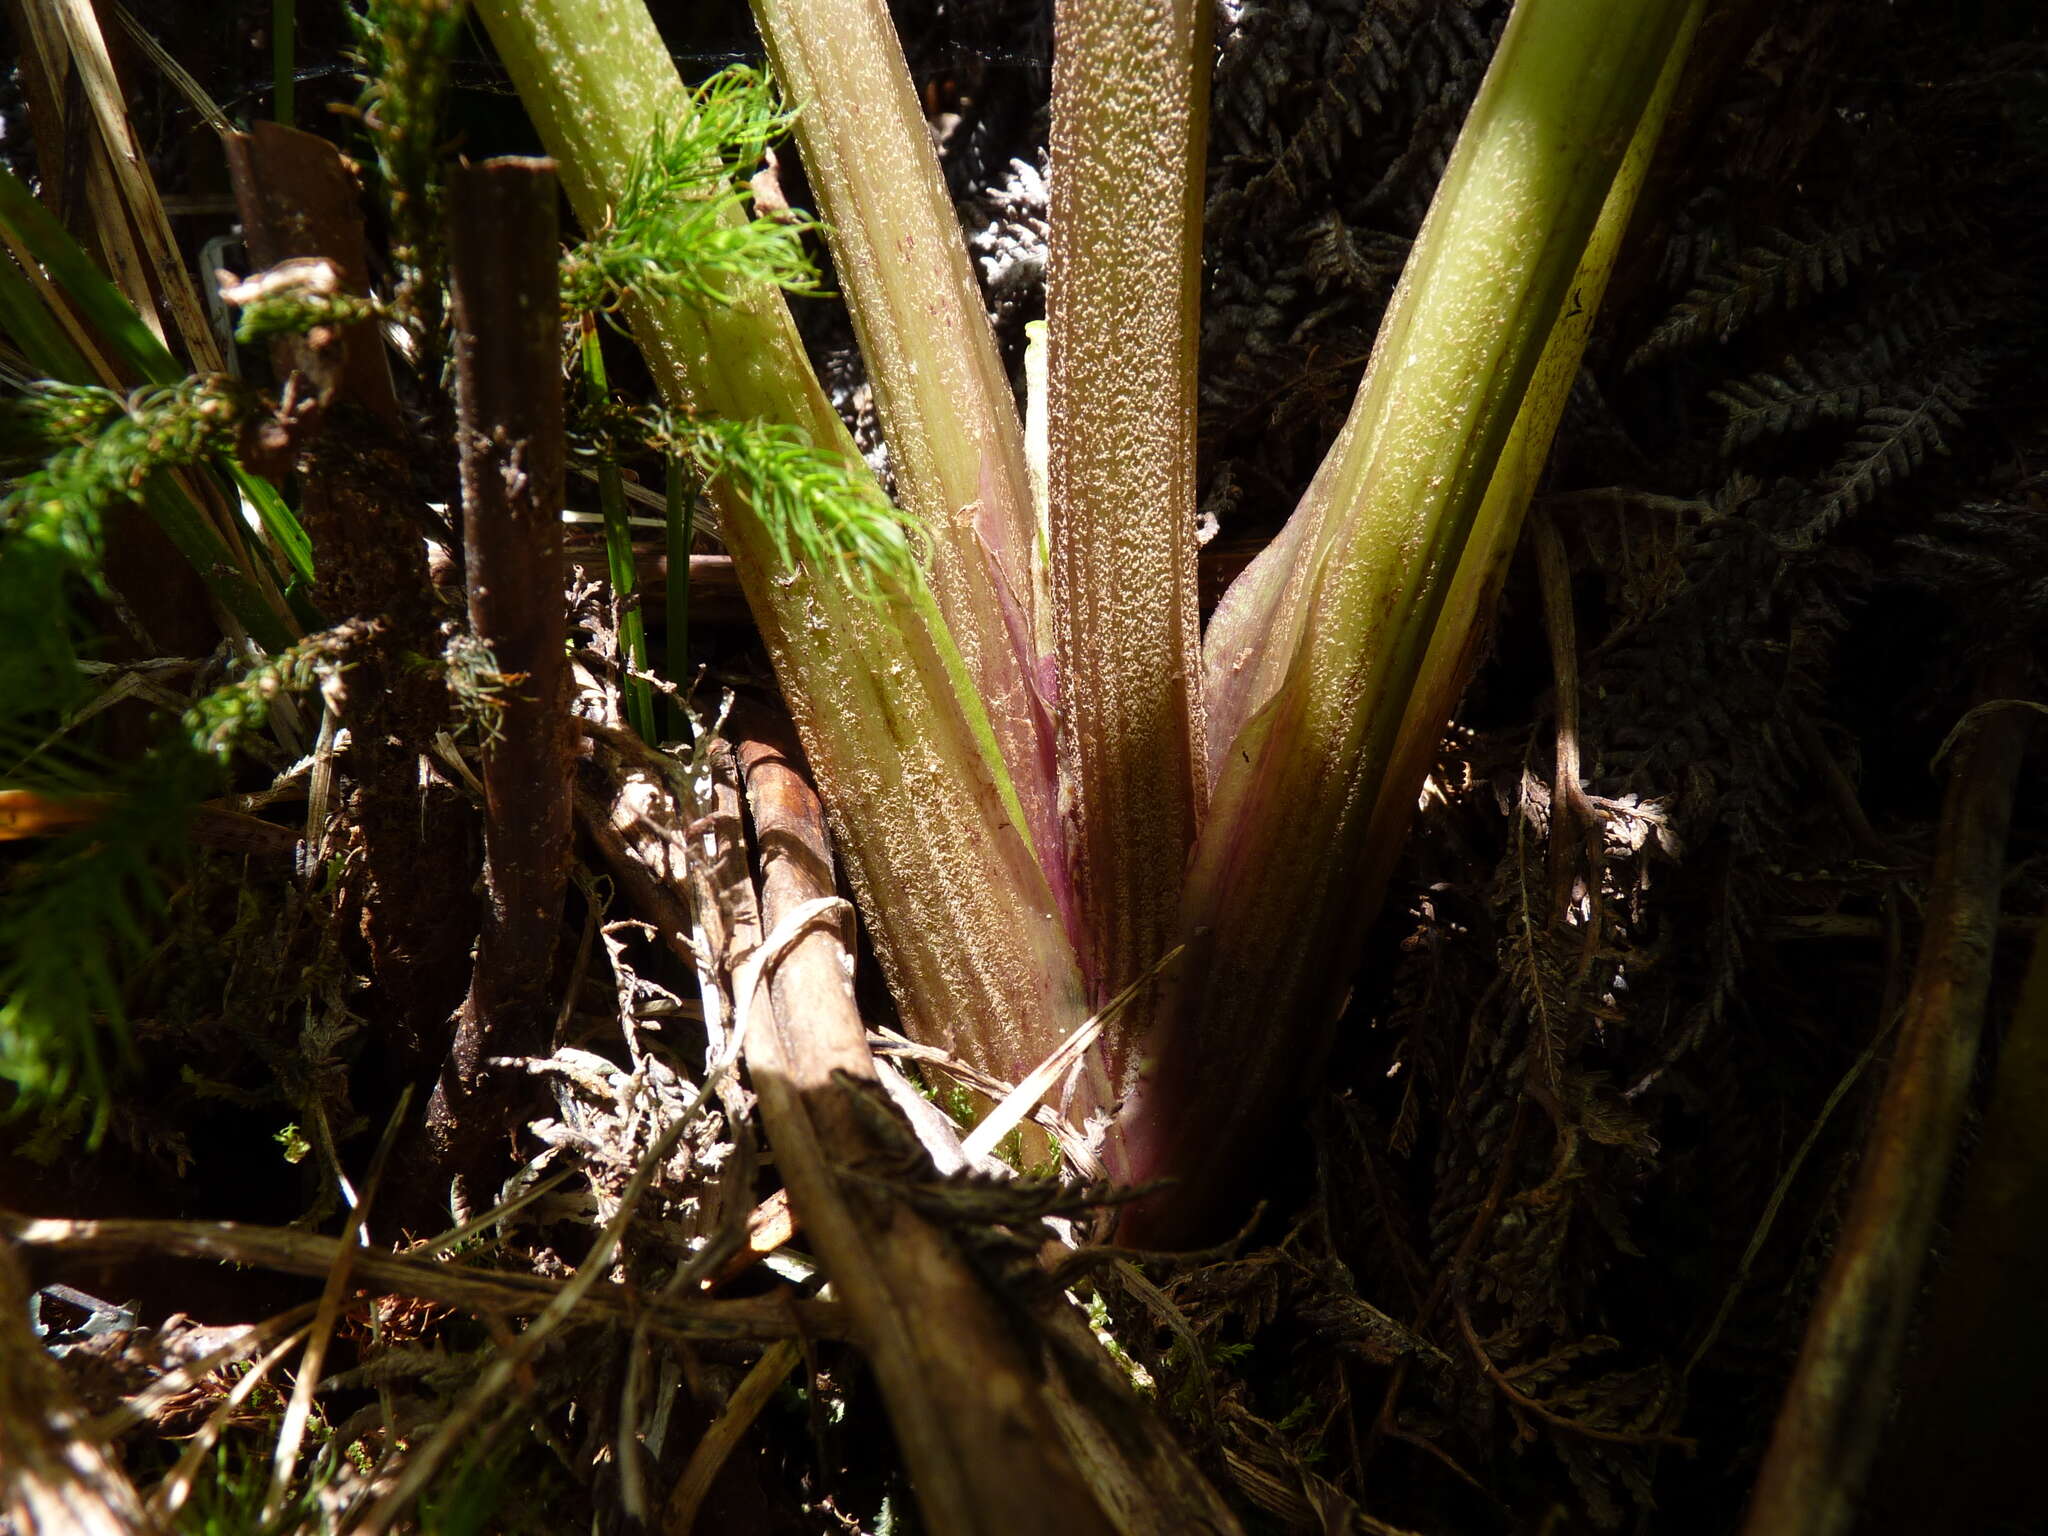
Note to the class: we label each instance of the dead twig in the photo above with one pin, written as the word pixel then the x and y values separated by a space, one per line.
pixel 724 1436
pixel 53 1475
pixel 757 1319
pixel 1006 1426
pixel 1966 1439
pixel 1834 1411
pixel 509 400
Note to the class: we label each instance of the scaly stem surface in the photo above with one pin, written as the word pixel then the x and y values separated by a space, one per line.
pixel 1129 111
pixel 955 445
pixel 503 250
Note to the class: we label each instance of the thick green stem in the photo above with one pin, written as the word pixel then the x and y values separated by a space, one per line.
pixel 964 921
pixel 954 439
pixel 1474 591
pixel 1130 97
pixel 1316 655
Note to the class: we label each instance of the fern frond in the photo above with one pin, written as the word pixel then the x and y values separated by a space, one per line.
pixel 1893 441
pixel 51 519
pixel 111 447
pixel 71 925
pixel 1847 376
pixel 820 513
pixel 1362 261
pixel 1781 272
pixel 1778 404
pixel 216 723
pixel 670 232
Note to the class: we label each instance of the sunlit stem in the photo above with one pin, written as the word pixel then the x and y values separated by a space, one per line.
pixel 1129 98
pixel 955 444
pixel 1319 650
pixel 965 923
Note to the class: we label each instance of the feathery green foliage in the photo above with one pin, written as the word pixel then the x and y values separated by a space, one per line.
pixel 26 316
pixel 404 48
pixel 292 298
pixel 675 229
pixel 103 449
pixel 820 513
pixel 110 447
pixel 74 920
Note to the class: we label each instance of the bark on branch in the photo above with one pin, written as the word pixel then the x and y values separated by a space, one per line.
pixel 298 199
pixel 502 240
pixel 1010 1416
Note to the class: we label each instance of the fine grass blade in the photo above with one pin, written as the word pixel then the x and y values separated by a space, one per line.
pixel 618 553
pixel 679 508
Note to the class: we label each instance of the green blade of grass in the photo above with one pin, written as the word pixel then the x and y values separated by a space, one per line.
pixel 284 29
pixel 279 520
pixel 35 331
pixel 618 552
pixel 679 504
pixel 84 284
